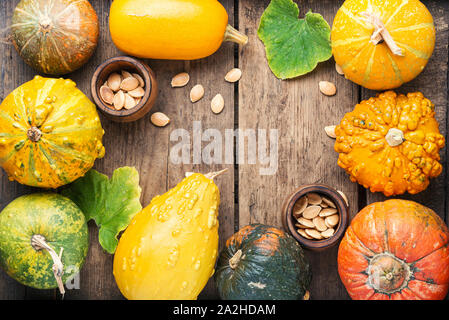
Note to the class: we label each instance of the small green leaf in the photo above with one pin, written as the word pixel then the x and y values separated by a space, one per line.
pixel 293 46
pixel 111 203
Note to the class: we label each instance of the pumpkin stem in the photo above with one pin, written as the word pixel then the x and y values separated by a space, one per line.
pixel 234 261
pixel 381 33
pixel 34 134
pixel 387 273
pixel 212 175
pixel 234 35
pixel 38 243
pixel 394 137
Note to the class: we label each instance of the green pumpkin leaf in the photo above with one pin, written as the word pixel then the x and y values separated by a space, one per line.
pixel 293 46
pixel 111 203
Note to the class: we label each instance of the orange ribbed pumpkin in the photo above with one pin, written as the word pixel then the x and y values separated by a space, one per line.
pixel 382 44
pixel 396 250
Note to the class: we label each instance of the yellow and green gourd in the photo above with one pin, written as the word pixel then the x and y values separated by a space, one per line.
pixel 170 248
pixel 50 133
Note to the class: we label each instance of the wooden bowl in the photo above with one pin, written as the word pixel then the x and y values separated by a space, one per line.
pixel 289 221
pixel 132 65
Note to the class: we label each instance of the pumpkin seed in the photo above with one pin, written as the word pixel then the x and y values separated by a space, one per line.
pixel 137 93
pixel 217 104
pixel 303 233
pixel 332 221
pixel 306 222
pixel 314 234
pixel 196 93
pixel 126 74
pixel 330 131
pixel 114 81
pixel 328 233
pixel 107 95
pixel 328 212
pixel 339 69
pixel 311 212
pixel 234 75
pixel 129 84
pixel 344 197
pixel 180 80
pixel 140 79
pixel 323 205
pixel 129 102
pixel 159 119
pixel 327 88
pixel 299 207
pixel 300 226
pixel 314 198
pixel 329 202
pixel 319 223
pixel 119 100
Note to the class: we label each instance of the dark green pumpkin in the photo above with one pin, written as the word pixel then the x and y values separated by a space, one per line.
pixel 59 221
pixel 261 262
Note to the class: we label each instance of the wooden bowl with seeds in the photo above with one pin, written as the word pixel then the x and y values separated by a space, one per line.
pixel 124 88
pixel 316 216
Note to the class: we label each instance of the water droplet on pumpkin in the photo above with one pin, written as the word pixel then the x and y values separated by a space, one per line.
pixel 184 285
pixel 197 265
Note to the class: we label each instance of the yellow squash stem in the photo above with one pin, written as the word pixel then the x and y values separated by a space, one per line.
pixel 234 35
pixel 381 33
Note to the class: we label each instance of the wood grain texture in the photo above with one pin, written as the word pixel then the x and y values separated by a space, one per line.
pixel 306 156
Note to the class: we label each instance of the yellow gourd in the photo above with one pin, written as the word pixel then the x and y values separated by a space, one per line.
pixel 382 44
pixel 169 250
pixel 171 29
pixel 50 133
pixel 391 143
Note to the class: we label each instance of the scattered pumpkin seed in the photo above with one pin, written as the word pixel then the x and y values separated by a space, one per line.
pixel 196 93
pixel 217 104
pixel 311 212
pixel 180 80
pixel 234 75
pixel 159 119
pixel 330 131
pixel 339 69
pixel 327 88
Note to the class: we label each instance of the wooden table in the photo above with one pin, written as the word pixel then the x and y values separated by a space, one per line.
pixel 258 101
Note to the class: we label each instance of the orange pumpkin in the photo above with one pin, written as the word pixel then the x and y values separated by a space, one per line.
pixel 391 143
pixel 396 250
pixel 382 44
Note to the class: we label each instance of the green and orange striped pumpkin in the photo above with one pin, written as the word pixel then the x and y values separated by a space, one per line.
pixel 55 37
pixel 366 57
pixel 50 133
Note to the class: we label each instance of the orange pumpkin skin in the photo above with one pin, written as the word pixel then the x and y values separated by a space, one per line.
pixel 375 66
pixel 55 37
pixel 395 250
pixel 363 139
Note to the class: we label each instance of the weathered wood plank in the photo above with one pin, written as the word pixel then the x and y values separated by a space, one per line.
pixel 432 82
pixel 300 112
